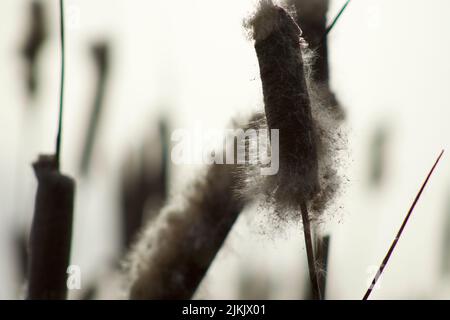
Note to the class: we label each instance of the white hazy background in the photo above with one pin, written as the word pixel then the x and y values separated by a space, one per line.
pixel 191 60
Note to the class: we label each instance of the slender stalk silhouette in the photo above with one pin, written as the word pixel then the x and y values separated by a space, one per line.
pixel 400 231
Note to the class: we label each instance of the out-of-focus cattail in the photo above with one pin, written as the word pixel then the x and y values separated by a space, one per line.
pixel 379 152
pixel 312 18
pixel 51 232
pixel 445 265
pixel 144 185
pixel 37 32
pixel 21 250
pixel 173 255
pixel 101 56
pixel 175 251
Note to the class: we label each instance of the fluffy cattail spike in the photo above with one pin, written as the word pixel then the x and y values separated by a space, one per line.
pixel 278 45
pixel 287 104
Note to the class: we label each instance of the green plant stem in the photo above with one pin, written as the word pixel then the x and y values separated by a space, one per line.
pixel 335 20
pixel 61 93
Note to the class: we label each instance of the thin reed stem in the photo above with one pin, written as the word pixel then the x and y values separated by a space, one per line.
pixel 394 243
pixel 333 23
pixel 310 253
pixel 61 93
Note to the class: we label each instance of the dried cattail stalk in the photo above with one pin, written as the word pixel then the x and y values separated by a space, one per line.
pixel 312 122
pixel 312 17
pixel 175 251
pixel 278 45
pixel 51 232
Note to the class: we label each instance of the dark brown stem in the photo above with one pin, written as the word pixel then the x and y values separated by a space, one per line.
pixel 310 253
pixel 394 243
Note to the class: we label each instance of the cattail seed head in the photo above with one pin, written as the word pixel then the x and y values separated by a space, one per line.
pixel 287 104
pixel 304 110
